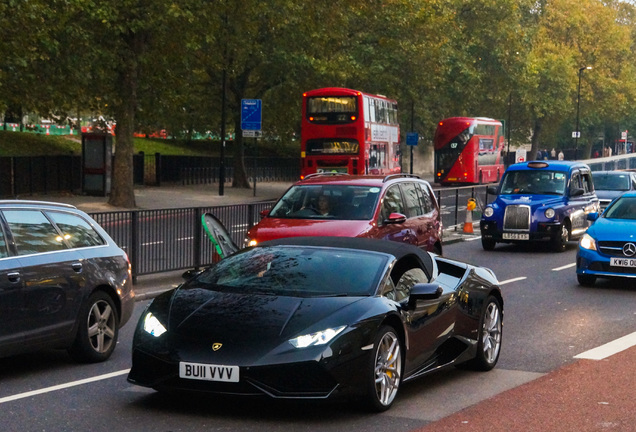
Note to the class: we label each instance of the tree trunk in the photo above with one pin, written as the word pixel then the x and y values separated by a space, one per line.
pixel 240 173
pixel 123 190
pixel 536 133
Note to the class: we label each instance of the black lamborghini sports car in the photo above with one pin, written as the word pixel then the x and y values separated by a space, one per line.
pixel 314 317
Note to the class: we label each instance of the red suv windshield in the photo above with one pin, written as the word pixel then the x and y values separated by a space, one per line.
pixel 327 201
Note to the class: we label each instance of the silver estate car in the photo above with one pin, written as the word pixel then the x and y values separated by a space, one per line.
pixel 64 283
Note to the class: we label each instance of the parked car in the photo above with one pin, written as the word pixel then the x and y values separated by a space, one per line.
pixel 539 201
pixel 316 317
pixel 609 185
pixel 398 207
pixel 64 283
pixel 608 249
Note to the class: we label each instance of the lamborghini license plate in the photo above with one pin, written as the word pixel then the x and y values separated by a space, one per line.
pixel 208 372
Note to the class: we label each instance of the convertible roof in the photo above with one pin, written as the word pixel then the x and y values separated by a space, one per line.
pixel 398 250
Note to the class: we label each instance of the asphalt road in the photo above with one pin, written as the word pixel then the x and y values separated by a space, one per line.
pixel 548 320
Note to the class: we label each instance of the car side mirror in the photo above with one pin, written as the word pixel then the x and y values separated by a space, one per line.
pixel 577 192
pixel 592 216
pixel 264 213
pixel 395 218
pixel 424 291
pixel 189 274
pixel 491 190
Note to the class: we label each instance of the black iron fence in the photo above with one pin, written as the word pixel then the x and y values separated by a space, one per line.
pixel 174 239
pixel 28 175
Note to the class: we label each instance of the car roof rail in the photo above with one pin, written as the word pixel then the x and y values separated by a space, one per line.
pixel 324 174
pixel 35 202
pixel 392 176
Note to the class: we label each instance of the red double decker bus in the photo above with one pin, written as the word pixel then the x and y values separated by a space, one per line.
pixel 468 150
pixel 348 131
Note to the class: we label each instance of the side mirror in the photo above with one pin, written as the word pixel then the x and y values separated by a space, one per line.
pixel 424 291
pixel 264 213
pixel 189 274
pixel 592 216
pixel 395 218
pixel 577 192
pixel 491 190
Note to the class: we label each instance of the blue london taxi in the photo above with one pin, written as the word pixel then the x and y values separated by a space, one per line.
pixel 540 201
pixel 608 248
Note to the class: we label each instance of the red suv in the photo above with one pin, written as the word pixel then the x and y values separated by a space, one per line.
pixel 398 207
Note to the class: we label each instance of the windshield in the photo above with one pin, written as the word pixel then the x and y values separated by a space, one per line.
pixel 616 181
pixel 299 271
pixel 340 202
pixel 534 182
pixel 622 208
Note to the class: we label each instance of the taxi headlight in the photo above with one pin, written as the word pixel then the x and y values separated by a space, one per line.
pixel 153 326
pixel 317 338
pixel 549 213
pixel 488 211
pixel 587 242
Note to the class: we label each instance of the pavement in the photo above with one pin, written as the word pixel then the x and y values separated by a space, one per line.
pixel 590 394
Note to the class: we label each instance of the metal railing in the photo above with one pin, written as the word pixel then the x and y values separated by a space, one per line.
pixel 166 240
pixel 173 239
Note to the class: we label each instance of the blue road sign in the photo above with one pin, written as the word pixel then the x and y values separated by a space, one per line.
pixel 412 138
pixel 251 114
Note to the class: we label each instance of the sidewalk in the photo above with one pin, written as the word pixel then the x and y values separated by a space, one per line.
pixel 173 196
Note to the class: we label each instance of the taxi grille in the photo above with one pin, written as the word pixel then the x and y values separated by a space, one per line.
pixel 517 217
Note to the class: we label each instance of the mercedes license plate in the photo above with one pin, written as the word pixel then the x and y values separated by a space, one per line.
pixel 208 372
pixel 623 262
pixel 516 236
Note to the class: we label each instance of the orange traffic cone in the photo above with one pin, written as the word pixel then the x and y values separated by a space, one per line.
pixel 468 223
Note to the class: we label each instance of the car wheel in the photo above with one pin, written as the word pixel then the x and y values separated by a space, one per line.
pixel 384 372
pixel 98 328
pixel 561 240
pixel 488 244
pixel 585 280
pixel 490 331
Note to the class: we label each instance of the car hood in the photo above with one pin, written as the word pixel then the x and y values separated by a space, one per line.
pixel 528 199
pixel 251 319
pixel 608 194
pixel 613 229
pixel 275 228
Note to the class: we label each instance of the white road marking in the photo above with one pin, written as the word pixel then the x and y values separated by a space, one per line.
pixel 513 280
pixel 473 238
pixel 62 386
pixel 609 349
pixel 564 267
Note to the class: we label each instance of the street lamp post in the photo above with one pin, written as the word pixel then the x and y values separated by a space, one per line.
pixel 578 104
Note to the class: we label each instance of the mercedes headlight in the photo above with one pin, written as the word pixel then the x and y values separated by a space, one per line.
pixel 549 213
pixel 488 211
pixel 317 338
pixel 587 242
pixel 153 326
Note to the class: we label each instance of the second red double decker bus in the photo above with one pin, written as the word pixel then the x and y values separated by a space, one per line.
pixel 468 150
pixel 348 131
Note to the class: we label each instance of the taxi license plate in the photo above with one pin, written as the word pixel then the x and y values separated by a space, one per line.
pixel 515 236
pixel 623 262
pixel 208 372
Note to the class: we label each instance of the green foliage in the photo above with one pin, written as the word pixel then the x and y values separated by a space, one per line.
pixel 158 64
